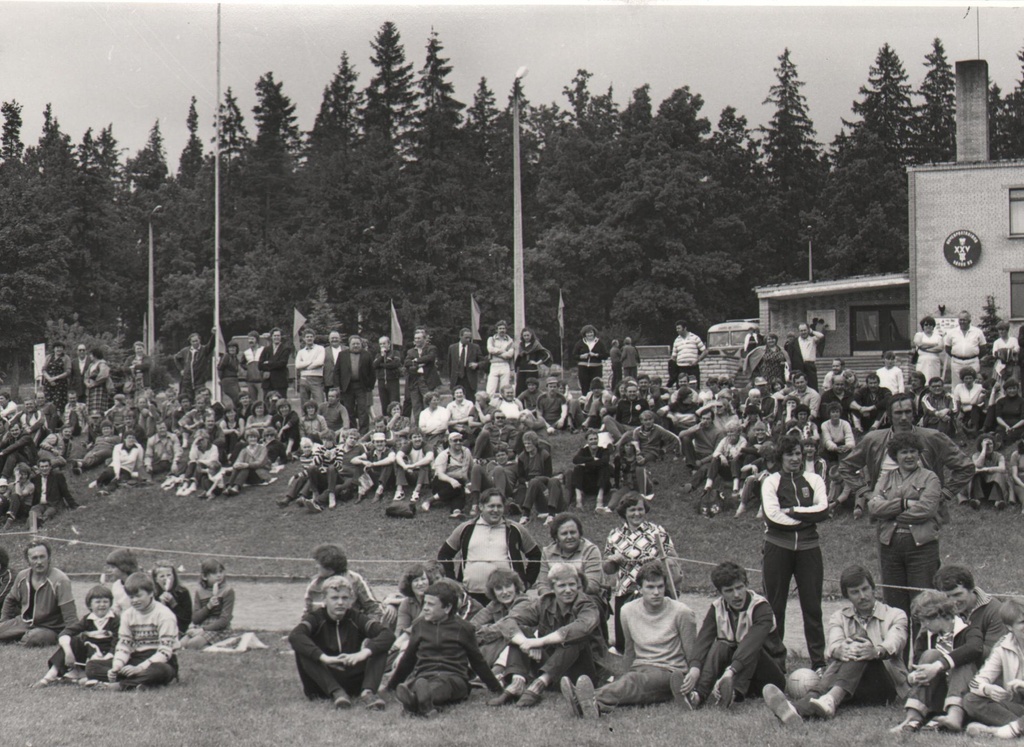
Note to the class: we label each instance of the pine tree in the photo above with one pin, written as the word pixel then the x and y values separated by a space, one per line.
pixel 935 134
pixel 791 151
pixel 337 123
pixel 1013 111
pixel 191 161
pixel 234 138
pixel 11 147
pixel 390 98
pixel 885 108
pixel 148 169
pixel 999 124
pixel 480 121
pixel 277 134
pixel 439 117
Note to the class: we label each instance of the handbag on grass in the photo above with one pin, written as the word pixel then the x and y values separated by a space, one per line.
pixel 401 510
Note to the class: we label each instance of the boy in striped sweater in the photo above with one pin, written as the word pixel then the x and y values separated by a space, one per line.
pixel 146 639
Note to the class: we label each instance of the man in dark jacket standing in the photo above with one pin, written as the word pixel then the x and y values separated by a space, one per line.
pixel 194 364
pixel 421 371
pixel 353 375
pixel 339 651
pixel 274 362
pixel 464 363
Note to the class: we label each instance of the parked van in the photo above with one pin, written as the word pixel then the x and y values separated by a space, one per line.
pixel 727 338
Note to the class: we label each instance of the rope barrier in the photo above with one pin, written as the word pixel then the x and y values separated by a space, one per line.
pixel 391 561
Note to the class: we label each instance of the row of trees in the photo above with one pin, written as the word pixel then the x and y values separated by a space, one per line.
pixel 639 214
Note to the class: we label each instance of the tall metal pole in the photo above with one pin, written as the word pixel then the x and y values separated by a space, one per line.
pixel 810 257
pixel 151 308
pixel 518 291
pixel 216 230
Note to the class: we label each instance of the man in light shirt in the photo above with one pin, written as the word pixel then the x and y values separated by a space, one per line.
pixel 964 346
pixel 688 350
pixel 808 340
pixel 251 360
pixel 309 367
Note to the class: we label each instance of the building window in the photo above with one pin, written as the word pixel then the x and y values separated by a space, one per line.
pixel 1017 212
pixel 1017 295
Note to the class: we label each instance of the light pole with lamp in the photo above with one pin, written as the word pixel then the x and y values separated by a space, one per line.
pixel 151 310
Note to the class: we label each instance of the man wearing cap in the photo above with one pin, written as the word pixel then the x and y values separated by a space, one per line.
pixel 500 429
pixel 964 345
pixel 552 405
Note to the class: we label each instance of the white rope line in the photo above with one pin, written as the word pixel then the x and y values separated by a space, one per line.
pixel 389 561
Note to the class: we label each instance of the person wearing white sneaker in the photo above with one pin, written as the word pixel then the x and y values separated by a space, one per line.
pixel 533 467
pixel 413 466
pixel 864 645
pixel 739 649
pixel 661 636
pixel 591 472
pixel 452 471
pixel 997 691
pixel 488 543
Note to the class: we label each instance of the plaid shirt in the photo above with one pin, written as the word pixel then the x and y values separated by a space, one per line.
pixel 637 546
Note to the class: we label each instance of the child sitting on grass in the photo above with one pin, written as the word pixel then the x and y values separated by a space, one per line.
pixel 173 594
pixel 213 608
pixel 144 654
pixel 442 649
pixel 92 637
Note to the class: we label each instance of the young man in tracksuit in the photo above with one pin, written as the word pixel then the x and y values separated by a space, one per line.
pixel 340 652
pixel 794 502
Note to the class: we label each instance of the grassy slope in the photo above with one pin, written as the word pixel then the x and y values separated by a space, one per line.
pixel 252 525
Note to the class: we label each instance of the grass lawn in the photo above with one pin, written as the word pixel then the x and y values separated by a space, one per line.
pixel 254 699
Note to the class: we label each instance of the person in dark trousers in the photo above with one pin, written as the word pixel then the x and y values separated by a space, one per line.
pixel 442 649
pixel 794 502
pixel 274 362
pixel 340 652
pixel 739 649
pixel 464 359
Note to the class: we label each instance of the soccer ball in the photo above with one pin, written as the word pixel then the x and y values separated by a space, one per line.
pixel 800 681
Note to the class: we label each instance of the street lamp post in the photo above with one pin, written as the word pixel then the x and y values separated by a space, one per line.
pixel 151 310
pixel 810 256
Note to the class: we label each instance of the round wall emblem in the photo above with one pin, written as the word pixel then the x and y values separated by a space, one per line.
pixel 962 249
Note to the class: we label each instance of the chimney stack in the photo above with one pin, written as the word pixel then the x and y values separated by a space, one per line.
pixel 971 111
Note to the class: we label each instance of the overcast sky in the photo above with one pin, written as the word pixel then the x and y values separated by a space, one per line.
pixel 130 64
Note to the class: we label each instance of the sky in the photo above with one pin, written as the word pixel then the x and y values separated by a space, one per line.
pixel 131 64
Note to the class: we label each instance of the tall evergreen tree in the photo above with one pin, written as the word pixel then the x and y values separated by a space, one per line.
pixel 440 113
pixel 791 151
pixel 148 169
pixel 234 137
pixel 390 98
pixel 337 123
pixel 191 161
pixel 885 108
pixel 935 133
pixel 999 124
pixel 11 147
pixel 1013 112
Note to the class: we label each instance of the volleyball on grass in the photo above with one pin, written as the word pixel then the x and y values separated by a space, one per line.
pixel 800 681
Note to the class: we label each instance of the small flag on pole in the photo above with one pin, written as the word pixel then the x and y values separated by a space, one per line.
pixel 561 314
pixel 474 317
pixel 220 347
pixel 396 329
pixel 297 324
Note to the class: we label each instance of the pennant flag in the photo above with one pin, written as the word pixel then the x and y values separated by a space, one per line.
pixel 298 323
pixel 474 317
pixel 396 329
pixel 220 347
pixel 561 314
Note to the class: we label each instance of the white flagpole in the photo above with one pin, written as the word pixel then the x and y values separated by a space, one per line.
pixel 518 294
pixel 216 229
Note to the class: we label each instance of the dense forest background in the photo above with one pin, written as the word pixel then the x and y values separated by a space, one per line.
pixel 640 214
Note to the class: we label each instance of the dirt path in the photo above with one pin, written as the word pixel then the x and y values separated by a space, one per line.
pixel 277 606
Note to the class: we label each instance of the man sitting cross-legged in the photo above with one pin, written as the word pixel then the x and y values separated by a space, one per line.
pixel 739 650
pixel 557 633
pixel 660 637
pixel 996 700
pixel 865 643
pixel 340 652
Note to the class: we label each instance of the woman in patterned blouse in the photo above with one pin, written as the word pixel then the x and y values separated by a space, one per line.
pixel 629 547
